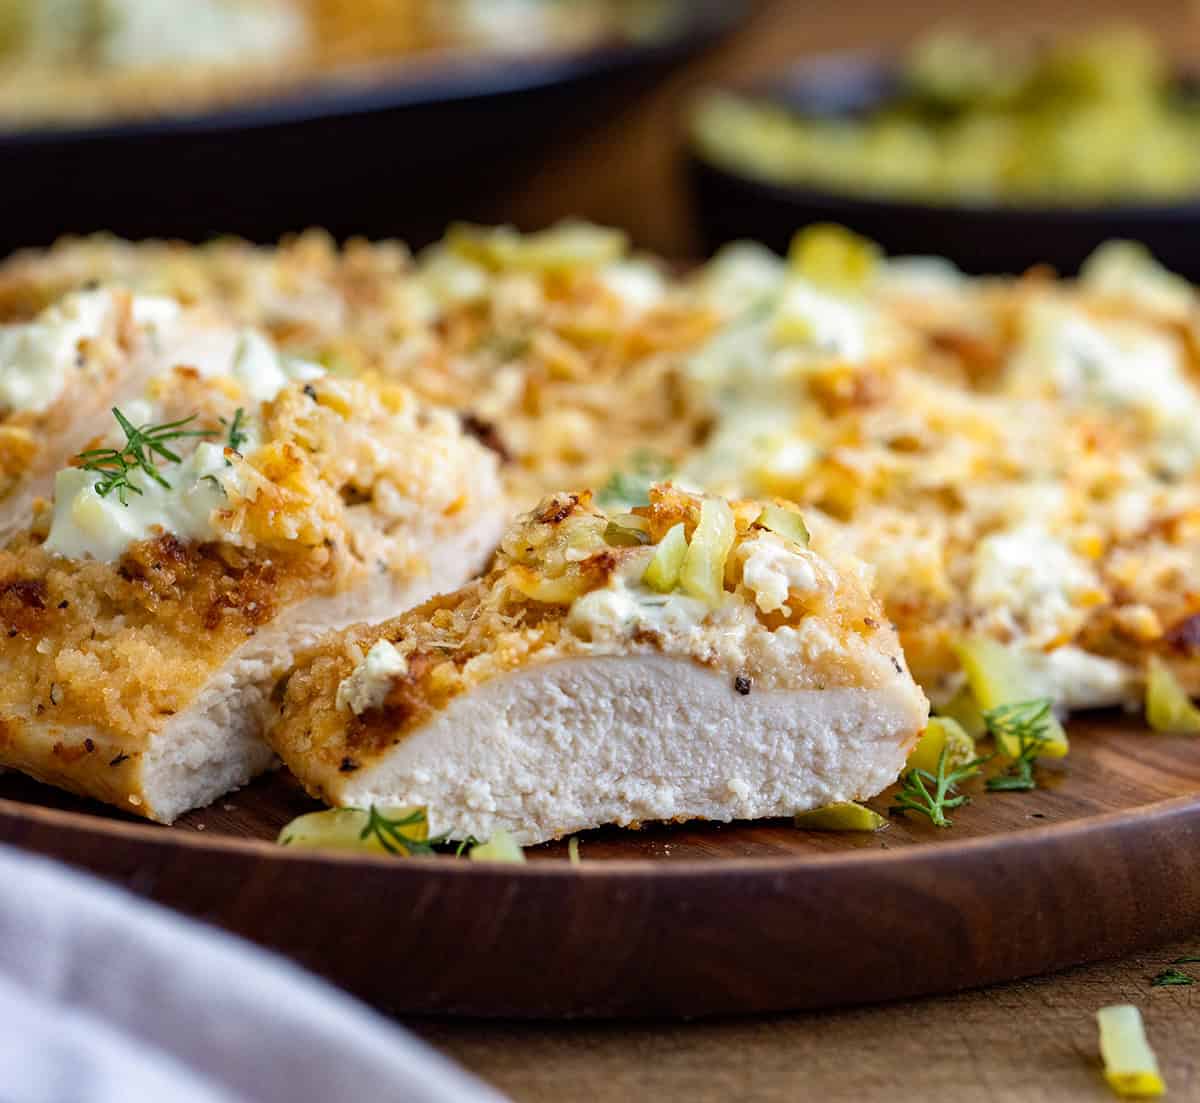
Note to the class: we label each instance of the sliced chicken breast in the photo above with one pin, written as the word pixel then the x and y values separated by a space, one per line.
pixel 692 659
pixel 146 619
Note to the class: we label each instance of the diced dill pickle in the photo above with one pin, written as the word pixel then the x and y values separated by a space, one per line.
pixel 942 733
pixel 994 672
pixel 1168 707
pixel 1130 1066
pixel 964 709
pixel 703 572
pixel 832 256
pixel 499 848
pixel 622 535
pixel 784 522
pixel 663 572
pixel 356 829
pixel 843 815
pixel 997 676
pixel 567 245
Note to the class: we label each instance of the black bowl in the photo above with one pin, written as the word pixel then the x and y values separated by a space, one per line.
pixel 979 238
pixel 399 155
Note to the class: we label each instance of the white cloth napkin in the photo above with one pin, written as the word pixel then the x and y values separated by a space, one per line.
pixel 107 999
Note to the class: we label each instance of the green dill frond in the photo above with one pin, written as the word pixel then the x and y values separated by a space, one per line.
pixel 630 487
pixel 933 794
pixel 142 444
pixel 390 832
pixel 1172 978
pixel 236 434
pixel 1027 726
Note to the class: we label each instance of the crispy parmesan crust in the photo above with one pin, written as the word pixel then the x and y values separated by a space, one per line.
pixel 97 658
pixel 918 456
pixel 551 371
pixel 459 641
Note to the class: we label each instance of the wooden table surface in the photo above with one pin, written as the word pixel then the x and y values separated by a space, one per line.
pixel 1022 1043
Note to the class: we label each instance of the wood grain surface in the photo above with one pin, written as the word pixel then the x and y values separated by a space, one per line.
pixel 690 920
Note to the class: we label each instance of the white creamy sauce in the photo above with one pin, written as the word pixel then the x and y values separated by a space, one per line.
pixel 637 283
pixel 1120 364
pixel 1076 679
pixel 38 357
pixel 263 372
pixel 1030 575
pixel 625 605
pixel 822 323
pixel 370 682
pixel 739 276
pixel 86 524
pixel 244 355
pixel 771 569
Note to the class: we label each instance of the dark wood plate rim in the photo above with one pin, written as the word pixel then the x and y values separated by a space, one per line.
pixel 1147 816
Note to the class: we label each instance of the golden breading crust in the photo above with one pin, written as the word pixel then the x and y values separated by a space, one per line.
pixel 348 492
pixel 829 635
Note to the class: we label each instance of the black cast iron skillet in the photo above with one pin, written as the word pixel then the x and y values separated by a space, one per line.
pixel 399 154
pixel 980 238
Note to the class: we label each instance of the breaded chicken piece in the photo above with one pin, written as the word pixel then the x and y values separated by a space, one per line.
pixel 691 660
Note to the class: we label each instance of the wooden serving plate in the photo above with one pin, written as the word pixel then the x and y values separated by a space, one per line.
pixel 690 920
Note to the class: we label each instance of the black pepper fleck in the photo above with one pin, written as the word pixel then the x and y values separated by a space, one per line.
pixel 348 766
pixel 742 684
pixel 119 759
pixel 311 391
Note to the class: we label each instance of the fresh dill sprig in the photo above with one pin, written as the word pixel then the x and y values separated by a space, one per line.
pixel 236 434
pixel 1172 978
pixel 142 444
pixel 391 836
pixel 933 794
pixel 390 832
pixel 1027 724
pixel 630 487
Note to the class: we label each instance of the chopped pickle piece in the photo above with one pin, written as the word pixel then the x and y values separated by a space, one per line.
pixel 663 572
pixel 997 677
pixel 942 733
pixel 784 522
pixel 703 572
pixel 833 257
pixel 844 815
pixel 570 244
pixel 994 672
pixel 965 710
pixel 381 830
pixel 622 535
pixel 1130 1066
pixel 499 848
pixel 573 850
pixel 1168 708
pixel 1025 730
